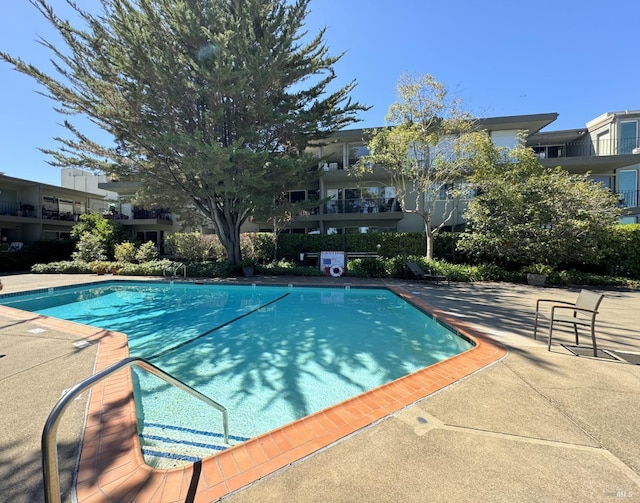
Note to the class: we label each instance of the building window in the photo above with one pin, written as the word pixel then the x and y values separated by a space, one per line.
pixel 356 151
pixel 603 143
pixel 336 203
pixel 296 196
pixel 459 190
pixel 153 236
pixel 628 137
pixel 65 209
pixel 313 195
pixel 367 230
pixel 372 199
pixel 549 151
pixel 56 235
pixel 604 181
pixel 300 196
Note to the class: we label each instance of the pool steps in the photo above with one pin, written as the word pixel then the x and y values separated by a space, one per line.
pixel 167 446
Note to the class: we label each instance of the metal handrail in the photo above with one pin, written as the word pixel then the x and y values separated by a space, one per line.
pixel 49 444
pixel 175 271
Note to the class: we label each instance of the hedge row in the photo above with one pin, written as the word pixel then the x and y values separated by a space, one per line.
pixel 394 267
pixel 620 252
pixel 40 251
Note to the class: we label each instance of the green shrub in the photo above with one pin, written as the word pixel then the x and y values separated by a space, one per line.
pixel 248 242
pixel 221 269
pixel 264 246
pixel 151 268
pixel 63 267
pixel 585 278
pixel 288 268
pixel 16 261
pixel 50 250
pixel 146 252
pixel 99 266
pixel 195 247
pixel 89 248
pixel 109 232
pixel 125 252
pixel 538 269
pixel 368 267
pixel 622 252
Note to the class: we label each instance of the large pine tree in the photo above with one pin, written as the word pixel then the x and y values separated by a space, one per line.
pixel 210 103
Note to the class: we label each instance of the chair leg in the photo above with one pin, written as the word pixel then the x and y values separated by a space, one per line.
pixel 575 331
pixel 593 339
pixel 550 330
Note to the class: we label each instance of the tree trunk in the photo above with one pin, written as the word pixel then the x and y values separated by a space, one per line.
pixel 275 240
pixel 229 234
pixel 428 231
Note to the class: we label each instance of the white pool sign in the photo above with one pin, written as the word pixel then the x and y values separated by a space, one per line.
pixel 333 263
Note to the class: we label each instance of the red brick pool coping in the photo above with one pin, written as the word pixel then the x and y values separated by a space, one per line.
pixel 112 468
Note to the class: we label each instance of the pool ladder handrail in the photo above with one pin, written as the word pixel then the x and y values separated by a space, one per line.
pixel 175 271
pixel 49 444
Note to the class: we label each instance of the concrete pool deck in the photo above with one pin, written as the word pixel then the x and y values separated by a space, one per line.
pixel 534 426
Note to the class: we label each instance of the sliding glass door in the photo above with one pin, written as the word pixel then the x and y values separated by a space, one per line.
pixel 628 187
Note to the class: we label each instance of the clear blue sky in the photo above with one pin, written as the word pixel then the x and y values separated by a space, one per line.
pixel 502 57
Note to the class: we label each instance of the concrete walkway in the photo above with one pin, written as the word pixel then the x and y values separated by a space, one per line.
pixel 37 363
pixel 536 426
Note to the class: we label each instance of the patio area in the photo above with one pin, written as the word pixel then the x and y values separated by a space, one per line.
pixel 534 426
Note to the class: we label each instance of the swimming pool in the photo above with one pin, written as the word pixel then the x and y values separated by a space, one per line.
pixel 269 354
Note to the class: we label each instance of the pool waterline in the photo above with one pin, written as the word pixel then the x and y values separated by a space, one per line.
pixel 112 462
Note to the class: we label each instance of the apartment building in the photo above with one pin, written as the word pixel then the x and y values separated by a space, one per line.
pixel 607 148
pixel 147 224
pixel 32 211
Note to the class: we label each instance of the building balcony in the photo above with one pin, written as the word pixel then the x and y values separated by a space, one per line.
pixel 30 211
pixel 588 148
pixel 18 210
pixel 361 206
pixel 140 216
pixel 628 199
pixel 337 173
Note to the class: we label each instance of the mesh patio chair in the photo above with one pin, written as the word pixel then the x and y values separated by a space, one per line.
pixel 582 313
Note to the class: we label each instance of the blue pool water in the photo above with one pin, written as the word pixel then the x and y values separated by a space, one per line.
pixel 270 355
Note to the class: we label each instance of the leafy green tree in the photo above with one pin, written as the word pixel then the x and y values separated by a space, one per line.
pixel 526 214
pixel 108 232
pixel 419 151
pixel 210 104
